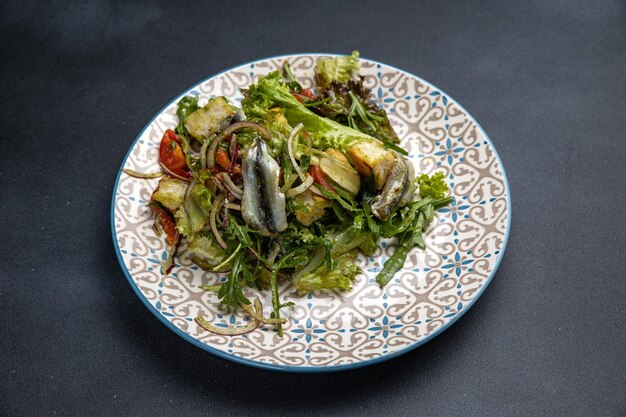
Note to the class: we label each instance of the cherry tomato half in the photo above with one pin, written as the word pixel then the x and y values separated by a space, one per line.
pixel 307 92
pixel 171 154
pixel 222 159
pixel 167 223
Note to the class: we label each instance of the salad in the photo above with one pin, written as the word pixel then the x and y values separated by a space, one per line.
pixel 292 185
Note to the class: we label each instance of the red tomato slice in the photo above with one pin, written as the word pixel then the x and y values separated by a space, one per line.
pixel 307 92
pixel 171 154
pixel 320 178
pixel 167 223
pixel 222 159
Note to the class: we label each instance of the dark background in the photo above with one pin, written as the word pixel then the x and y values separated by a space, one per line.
pixel 546 80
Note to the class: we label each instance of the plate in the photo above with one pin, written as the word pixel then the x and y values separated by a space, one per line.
pixel 329 331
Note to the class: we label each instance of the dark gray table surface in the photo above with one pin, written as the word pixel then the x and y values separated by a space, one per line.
pixel 546 80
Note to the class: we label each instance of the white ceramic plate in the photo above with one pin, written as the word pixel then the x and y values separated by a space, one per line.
pixel 329 331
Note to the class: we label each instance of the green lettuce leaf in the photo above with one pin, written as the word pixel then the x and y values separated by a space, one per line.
pixel 205 252
pixel 271 91
pixel 353 237
pixel 339 277
pixel 193 214
pixel 351 104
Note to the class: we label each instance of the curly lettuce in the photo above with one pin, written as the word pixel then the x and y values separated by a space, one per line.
pixel 351 104
pixel 339 277
pixel 204 251
pixel 271 91
pixel 433 186
pixel 339 68
pixel 193 214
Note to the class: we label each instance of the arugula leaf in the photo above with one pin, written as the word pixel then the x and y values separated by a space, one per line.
pixel 428 211
pixel 411 237
pixel 437 204
pixel 392 265
pixel 373 122
pixel 372 222
pixel 238 232
pixel 290 260
pixel 402 219
pixel 349 205
pixel 339 212
pixel 292 82
pixel 230 292
pixel 406 242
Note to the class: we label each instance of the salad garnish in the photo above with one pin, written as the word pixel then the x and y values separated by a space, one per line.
pixel 291 186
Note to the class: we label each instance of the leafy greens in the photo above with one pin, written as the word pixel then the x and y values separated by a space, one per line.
pixel 329 158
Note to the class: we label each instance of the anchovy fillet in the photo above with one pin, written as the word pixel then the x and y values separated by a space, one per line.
pixel 409 190
pixel 397 181
pixel 262 202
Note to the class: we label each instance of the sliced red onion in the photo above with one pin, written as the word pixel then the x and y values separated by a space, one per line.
pixel 315 191
pixel 237 330
pixel 225 216
pixel 309 142
pixel 167 266
pixel 300 188
pixel 158 230
pixel 234 156
pixel 257 314
pixel 212 149
pixel 232 144
pixel 293 134
pixel 217 204
pixel 227 331
pixel 228 183
pixel 170 172
pixel 219 184
pixel 203 150
pixel 144 175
